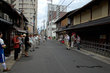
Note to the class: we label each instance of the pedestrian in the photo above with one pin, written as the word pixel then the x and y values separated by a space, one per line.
pixel 16 46
pixel 73 39
pixel 34 43
pixel 23 48
pixel 39 39
pixel 2 55
pixel 67 38
pixel 27 45
pixel 44 39
pixel 36 40
pixel 21 42
pixel 78 42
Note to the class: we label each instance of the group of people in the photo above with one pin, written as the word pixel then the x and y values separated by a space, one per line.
pixel 70 41
pixel 21 43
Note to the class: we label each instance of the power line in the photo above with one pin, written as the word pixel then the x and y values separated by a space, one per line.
pixel 69 4
pixel 57 8
pixel 64 8
pixel 62 2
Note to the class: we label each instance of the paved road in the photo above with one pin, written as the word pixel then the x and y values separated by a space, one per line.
pixel 52 57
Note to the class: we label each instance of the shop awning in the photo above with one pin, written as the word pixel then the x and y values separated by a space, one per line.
pixel 19 29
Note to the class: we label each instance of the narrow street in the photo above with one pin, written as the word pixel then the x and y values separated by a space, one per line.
pixel 52 57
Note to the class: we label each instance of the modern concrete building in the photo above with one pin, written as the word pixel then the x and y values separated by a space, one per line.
pixel 29 9
pixel 54 12
pixel 51 33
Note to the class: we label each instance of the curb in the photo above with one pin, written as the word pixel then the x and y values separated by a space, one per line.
pixel 94 55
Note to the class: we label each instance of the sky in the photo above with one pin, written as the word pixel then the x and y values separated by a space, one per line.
pixel 42 8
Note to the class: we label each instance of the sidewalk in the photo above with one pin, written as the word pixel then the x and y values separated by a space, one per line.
pixel 94 55
pixel 9 61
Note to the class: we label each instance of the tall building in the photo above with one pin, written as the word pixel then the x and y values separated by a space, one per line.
pixel 29 9
pixel 54 12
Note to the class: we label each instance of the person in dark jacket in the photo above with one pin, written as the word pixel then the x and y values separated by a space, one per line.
pixel 27 44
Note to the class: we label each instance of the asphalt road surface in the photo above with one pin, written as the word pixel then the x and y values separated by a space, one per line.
pixel 52 57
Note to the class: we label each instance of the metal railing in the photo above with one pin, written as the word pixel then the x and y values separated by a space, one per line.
pixel 100 48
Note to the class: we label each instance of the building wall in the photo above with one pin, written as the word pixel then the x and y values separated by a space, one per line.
pixel 51 29
pixel 29 7
pixel 57 11
pixel 76 19
pixel 100 10
pixel 85 16
pixel 64 22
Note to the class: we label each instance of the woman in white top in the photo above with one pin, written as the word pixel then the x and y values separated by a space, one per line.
pixel 67 38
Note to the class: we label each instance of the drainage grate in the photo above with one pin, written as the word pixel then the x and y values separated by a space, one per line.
pixel 89 66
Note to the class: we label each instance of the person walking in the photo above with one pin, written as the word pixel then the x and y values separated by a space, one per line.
pixel 27 44
pixel 16 46
pixel 67 38
pixel 73 39
pixel 23 46
pixel 78 42
pixel 44 39
pixel 21 42
pixel 39 39
pixel 36 39
pixel 2 56
pixel 34 43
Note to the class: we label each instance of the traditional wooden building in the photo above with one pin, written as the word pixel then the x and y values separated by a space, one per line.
pixel 62 24
pixel 92 23
pixel 11 22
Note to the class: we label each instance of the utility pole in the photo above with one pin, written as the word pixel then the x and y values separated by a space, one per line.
pixel 22 12
pixel 58 11
pixel 22 5
pixel 34 16
pixel 34 24
pixel 51 20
